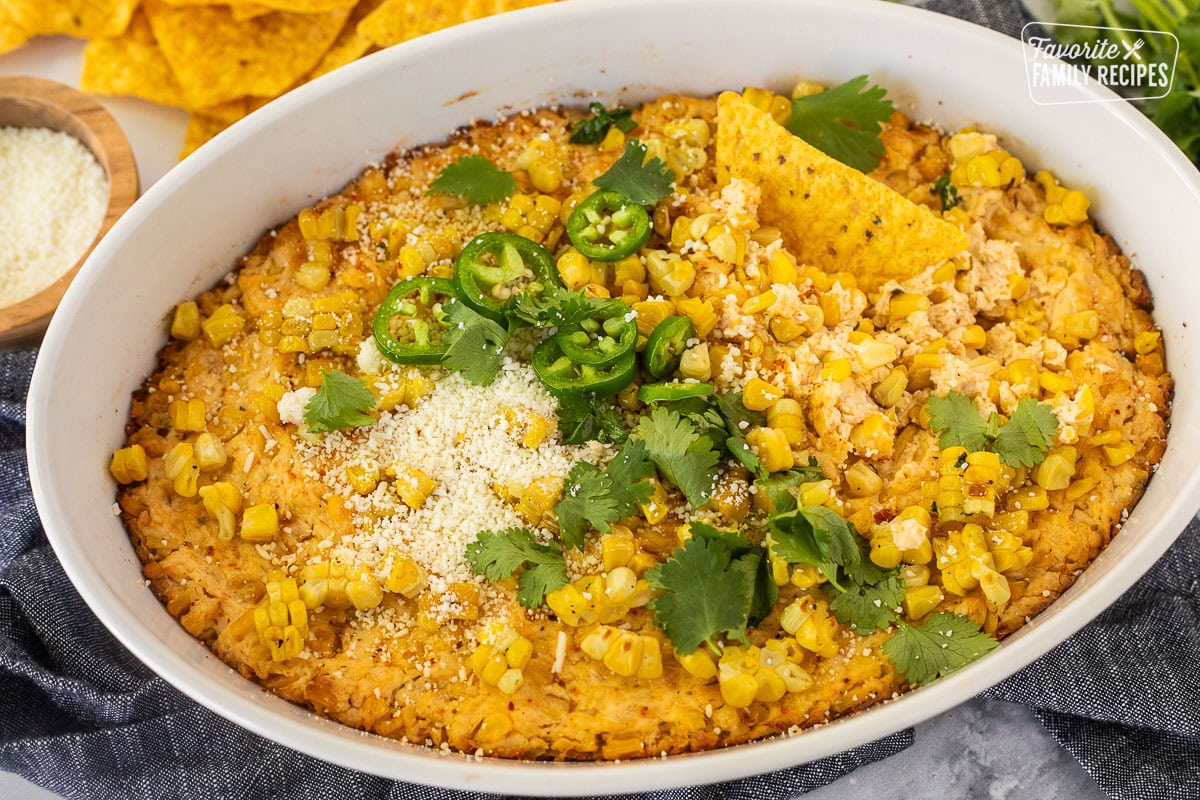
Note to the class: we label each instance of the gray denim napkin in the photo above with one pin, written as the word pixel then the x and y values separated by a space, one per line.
pixel 82 717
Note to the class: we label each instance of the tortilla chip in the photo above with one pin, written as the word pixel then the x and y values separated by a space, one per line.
pixel 295 6
pixel 217 59
pixel 201 128
pixel 400 20
pixel 245 11
pixel 832 216
pixel 130 64
pixel 228 112
pixel 12 35
pixel 350 44
pixel 83 18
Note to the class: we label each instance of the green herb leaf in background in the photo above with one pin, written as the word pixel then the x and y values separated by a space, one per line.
pixel 1178 113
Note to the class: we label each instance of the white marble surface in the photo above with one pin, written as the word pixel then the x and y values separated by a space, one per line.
pixel 983 750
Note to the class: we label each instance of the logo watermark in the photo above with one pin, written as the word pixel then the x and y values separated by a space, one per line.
pixel 1136 64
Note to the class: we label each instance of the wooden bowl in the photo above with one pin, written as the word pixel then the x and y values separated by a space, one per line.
pixel 37 103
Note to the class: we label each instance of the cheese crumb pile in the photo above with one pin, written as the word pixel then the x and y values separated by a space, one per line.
pixel 53 196
pixel 461 437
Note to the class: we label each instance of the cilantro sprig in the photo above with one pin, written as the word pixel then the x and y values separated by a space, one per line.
pixel 682 454
pixel 599 498
pixel 869 607
pixel 681 447
pixel 844 122
pixel 586 418
pixel 938 646
pixel 789 480
pixel 1020 442
pixel 552 307
pixel 475 179
pixel 813 535
pixel 342 402
pixel 946 192
pixel 716 583
pixel 738 420
pixel 591 130
pixel 867 598
pixel 723 419
pixel 643 182
pixel 475 344
pixel 496 555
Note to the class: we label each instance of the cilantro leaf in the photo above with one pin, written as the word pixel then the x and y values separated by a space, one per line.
pixel 600 498
pixel 781 486
pixel 587 498
pixel 683 456
pixel 341 402
pixel 552 307
pixel 737 542
pixel 957 422
pixel 796 541
pixel 497 555
pixel 592 129
pixel 946 192
pixel 706 591
pixel 628 471
pixel 736 413
pixel 864 572
pixel 1020 442
pixel 936 647
pixel 739 419
pixel 844 547
pixel 766 591
pixel 740 449
pixel 869 607
pixel 700 413
pixel 816 535
pixel 476 179
pixel 644 184
pixel 475 344
pixel 1025 438
pixel 844 122
pixel 584 418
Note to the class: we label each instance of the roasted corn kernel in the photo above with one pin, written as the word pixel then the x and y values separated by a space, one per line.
pixel 129 464
pixel 260 523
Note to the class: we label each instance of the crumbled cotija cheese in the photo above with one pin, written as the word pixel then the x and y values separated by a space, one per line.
pixel 291 405
pixel 53 196
pixel 460 437
pixel 908 534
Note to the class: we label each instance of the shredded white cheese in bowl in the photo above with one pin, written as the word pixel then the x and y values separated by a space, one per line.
pixel 53 197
